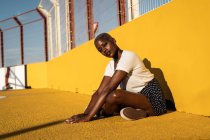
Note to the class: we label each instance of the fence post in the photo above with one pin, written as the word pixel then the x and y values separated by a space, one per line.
pixel 122 12
pixel 71 23
pixel 45 33
pixel 21 39
pixel 57 26
pixel 90 18
pixel 2 47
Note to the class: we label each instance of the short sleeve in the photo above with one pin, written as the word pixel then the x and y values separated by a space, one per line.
pixel 127 62
pixel 109 71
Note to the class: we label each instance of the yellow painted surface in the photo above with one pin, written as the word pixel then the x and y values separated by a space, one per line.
pixel 37 75
pixel 175 40
pixel 38 114
pixel 79 70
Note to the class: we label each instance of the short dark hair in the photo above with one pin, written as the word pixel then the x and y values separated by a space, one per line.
pixel 103 36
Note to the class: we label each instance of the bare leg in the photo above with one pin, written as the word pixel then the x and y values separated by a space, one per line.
pixel 119 98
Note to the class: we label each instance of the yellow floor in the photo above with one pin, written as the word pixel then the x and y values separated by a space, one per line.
pixel 39 114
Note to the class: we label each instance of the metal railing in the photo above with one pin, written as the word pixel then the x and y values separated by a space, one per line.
pixel 57 26
pixel 23 39
pixel 138 8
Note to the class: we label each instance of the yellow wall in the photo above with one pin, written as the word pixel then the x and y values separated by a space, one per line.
pixel 174 38
pixel 37 75
pixel 79 70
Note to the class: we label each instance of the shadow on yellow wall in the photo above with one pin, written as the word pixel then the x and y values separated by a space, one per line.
pixel 163 83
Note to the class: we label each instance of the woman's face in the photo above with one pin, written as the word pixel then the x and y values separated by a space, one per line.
pixel 106 47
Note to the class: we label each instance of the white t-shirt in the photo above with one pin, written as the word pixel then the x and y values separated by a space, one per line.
pixel 138 75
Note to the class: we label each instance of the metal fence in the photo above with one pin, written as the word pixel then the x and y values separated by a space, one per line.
pixel 136 8
pixel 57 26
pixel 22 39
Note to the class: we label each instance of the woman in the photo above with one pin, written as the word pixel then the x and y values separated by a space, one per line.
pixel 140 95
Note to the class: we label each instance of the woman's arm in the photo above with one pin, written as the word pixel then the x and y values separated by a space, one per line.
pixel 108 88
pixel 95 96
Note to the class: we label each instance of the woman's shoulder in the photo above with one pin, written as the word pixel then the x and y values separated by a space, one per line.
pixel 111 62
pixel 129 53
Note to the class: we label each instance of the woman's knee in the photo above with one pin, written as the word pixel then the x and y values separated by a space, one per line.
pixel 113 97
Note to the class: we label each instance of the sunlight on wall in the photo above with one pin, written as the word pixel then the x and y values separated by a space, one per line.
pixel 174 39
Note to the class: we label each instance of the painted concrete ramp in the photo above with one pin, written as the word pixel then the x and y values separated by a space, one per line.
pixel 39 114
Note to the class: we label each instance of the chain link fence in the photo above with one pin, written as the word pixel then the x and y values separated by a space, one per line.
pixel 57 26
pixel 22 39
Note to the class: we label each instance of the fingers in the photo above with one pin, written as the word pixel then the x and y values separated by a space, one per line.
pixel 76 119
pixel 72 119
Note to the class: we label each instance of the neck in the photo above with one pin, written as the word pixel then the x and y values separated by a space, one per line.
pixel 117 55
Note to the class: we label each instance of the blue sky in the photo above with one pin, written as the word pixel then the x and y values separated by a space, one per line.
pixel 104 12
pixel 10 8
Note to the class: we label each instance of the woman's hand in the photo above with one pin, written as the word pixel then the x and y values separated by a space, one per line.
pixel 78 118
